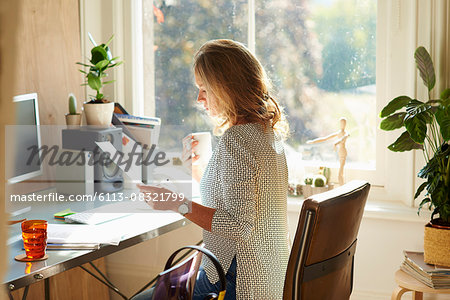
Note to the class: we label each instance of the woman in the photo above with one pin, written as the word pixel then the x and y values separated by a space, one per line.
pixel 244 186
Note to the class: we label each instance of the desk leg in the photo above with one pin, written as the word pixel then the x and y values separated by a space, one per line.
pixel 107 282
pixel 101 274
pixel 398 293
pixel 417 295
pixel 25 292
pixel 47 288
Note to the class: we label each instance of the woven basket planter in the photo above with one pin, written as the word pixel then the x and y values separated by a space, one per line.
pixel 436 246
pixel 309 190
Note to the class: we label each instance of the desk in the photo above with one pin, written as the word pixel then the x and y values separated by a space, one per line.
pixel 140 227
pixel 407 283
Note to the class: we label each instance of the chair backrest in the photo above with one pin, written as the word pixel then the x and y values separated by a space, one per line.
pixel 321 260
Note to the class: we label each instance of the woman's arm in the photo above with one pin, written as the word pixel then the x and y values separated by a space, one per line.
pixel 189 158
pixel 197 172
pixel 235 187
pixel 201 215
pixel 237 172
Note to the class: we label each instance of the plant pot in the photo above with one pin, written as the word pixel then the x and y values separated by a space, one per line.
pixel 98 113
pixel 309 190
pixel 73 120
pixel 436 245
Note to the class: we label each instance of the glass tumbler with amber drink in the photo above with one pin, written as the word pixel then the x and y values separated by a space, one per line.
pixel 34 235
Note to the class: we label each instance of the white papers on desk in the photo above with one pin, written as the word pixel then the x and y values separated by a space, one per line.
pixel 82 234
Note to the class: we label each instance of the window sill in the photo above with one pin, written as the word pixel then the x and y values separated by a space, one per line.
pixel 384 210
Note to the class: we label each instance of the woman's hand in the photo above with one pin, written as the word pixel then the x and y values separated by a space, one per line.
pixel 160 198
pixel 189 157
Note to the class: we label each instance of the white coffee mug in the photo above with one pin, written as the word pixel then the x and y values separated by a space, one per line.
pixel 203 148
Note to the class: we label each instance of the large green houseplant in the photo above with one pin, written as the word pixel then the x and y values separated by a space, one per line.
pixel 427 125
pixel 99 110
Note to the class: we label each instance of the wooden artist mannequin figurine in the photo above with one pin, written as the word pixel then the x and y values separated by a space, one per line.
pixel 339 145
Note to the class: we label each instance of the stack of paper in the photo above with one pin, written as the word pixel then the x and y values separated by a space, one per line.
pixel 434 276
pixel 71 236
pixel 144 129
pixel 75 246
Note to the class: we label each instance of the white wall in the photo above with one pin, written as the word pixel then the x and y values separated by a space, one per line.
pixel 379 254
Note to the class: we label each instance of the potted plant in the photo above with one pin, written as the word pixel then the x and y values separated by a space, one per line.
pixel 318 183
pixel 427 127
pixel 98 110
pixel 73 118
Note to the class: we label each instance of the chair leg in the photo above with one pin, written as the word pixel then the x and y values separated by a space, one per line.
pixel 417 295
pixel 398 293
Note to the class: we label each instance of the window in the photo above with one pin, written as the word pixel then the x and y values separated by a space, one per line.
pixel 319 74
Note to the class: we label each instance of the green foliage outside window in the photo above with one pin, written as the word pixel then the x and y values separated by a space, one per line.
pixel 349 45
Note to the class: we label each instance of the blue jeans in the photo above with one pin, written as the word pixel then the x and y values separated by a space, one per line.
pixel 203 287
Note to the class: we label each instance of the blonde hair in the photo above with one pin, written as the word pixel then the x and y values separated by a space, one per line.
pixel 238 81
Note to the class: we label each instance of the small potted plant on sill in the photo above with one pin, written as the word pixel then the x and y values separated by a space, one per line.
pixel 73 118
pixel 99 110
pixel 427 127
pixel 318 183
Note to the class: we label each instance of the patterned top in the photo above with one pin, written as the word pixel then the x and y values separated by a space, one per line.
pixel 246 182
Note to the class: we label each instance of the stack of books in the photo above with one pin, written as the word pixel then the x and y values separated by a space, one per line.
pixel 434 276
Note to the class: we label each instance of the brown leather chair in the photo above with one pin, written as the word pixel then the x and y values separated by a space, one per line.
pixel 321 260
